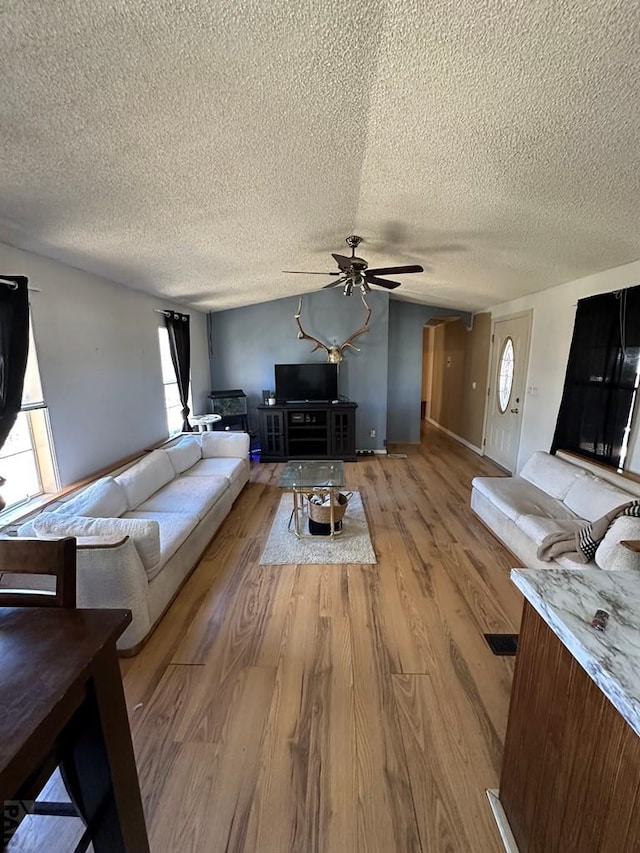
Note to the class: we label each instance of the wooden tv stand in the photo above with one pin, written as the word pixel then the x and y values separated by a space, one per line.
pixel 308 431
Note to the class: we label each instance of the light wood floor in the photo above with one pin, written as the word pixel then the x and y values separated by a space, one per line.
pixel 334 708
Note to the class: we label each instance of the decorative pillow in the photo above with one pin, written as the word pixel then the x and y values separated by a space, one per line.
pixel 591 498
pixel 184 454
pixel 216 444
pixel 610 554
pixel 145 477
pixel 103 499
pixel 144 533
pixel 554 476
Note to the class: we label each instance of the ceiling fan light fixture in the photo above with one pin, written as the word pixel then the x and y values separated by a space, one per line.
pixel 355 272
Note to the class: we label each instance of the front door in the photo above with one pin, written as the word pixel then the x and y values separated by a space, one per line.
pixel 509 360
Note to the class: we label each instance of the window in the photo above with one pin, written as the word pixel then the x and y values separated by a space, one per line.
pixel 601 383
pixel 26 458
pixel 172 402
pixel 505 376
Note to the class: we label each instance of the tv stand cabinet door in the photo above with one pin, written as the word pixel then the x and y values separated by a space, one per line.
pixel 342 433
pixel 272 436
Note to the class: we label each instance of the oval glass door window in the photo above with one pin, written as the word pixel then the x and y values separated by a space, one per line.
pixel 505 375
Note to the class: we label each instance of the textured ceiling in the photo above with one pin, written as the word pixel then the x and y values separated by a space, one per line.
pixel 195 149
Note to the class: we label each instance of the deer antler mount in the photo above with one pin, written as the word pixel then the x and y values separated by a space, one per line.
pixel 335 352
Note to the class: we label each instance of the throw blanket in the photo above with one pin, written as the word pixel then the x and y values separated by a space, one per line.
pixel 581 545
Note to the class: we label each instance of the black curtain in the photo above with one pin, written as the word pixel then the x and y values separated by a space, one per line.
pixel 180 346
pixel 601 374
pixel 14 348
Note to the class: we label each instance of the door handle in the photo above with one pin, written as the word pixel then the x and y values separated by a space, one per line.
pixel 514 411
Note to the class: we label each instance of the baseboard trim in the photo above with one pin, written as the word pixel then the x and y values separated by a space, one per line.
pixel 500 817
pixel 459 438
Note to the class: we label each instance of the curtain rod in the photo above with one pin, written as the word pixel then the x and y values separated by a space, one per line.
pixel 169 311
pixel 14 286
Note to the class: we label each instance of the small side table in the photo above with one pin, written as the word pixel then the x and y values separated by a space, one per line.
pixel 204 423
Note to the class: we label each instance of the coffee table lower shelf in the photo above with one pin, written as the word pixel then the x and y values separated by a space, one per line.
pixel 300 497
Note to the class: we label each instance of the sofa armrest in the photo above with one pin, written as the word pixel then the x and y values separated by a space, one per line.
pixel 111 575
pixel 83 542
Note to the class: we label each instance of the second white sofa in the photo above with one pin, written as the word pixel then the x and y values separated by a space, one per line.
pixel 142 531
pixel 551 493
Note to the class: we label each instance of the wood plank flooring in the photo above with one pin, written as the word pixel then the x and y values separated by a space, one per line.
pixel 334 708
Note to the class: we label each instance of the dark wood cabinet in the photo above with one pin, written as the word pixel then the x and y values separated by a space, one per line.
pixel 272 432
pixel 342 429
pixel 308 431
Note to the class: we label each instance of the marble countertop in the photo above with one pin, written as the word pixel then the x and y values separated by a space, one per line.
pixel 567 600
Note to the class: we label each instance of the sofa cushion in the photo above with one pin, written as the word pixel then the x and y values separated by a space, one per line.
pixel 554 476
pixel 145 534
pixel 231 468
pixel 612 555
pixel 536 527
pixel 591 498
pixel 184 454
pixel 26 529
pixel 144 478
pixel 174 529
pixel 194 495
pixel 515 497
pixel 103 499
pixel 224 444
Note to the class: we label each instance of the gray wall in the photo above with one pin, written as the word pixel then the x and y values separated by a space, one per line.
pixel 406 322
pixel 97 345
pixel 247 342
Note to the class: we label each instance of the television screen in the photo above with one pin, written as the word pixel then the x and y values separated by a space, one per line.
pixel 300 383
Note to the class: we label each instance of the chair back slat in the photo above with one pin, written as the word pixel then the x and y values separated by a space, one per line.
pixel 56 557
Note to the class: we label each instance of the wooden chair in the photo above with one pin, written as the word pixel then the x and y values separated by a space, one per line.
pixel 57 558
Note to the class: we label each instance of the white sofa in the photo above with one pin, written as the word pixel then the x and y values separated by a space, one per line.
pixel 141 531
pixel 520 511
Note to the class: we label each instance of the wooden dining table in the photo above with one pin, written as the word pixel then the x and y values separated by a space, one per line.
pixel 62 704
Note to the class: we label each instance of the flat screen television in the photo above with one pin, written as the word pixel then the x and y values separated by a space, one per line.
pixel 302 383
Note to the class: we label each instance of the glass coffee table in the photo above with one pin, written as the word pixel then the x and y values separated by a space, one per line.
pixel 312 476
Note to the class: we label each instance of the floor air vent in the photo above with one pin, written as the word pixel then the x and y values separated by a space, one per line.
pixel 502 644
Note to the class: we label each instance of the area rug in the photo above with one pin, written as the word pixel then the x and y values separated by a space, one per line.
pixel 353 545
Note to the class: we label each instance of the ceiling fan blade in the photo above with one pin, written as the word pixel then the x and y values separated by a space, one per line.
pixel 396 270
pixel 381 282
pixel 343 262
pixel 306 272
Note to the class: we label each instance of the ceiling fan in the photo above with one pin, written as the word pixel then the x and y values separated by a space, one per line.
pixel 354 271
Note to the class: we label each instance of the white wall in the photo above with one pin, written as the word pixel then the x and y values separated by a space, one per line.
pixel 553 317
pixel 97 345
